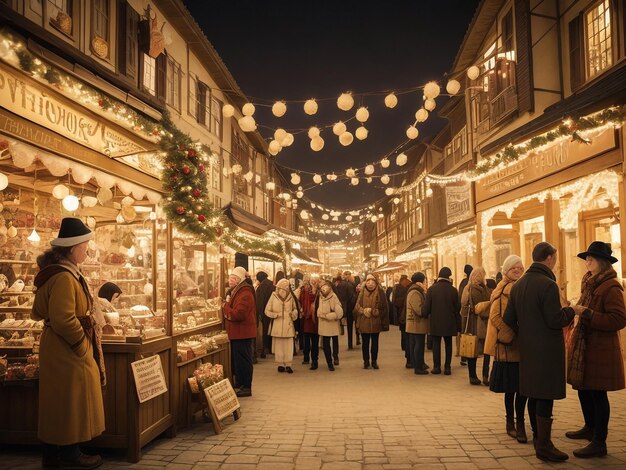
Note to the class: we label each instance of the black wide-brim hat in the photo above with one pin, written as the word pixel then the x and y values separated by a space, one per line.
pixel 72 232
pixel 599 250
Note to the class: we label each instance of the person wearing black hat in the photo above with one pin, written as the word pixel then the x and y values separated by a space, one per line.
pixel 442 306
pixel 71 370
pixel 535 312
pixel 417 322
pixel 604 314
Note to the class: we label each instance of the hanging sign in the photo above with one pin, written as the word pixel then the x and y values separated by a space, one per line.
pixel 149 378
pixel 458 202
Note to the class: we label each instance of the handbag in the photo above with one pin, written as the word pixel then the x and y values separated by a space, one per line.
pixel 576 356
pixel 468 346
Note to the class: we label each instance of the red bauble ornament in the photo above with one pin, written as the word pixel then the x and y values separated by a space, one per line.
pixel 191 153
pixel 196 192
pixel 201 167
pixel 201 218
pixel 155 132
pixel 219 232
pixel 186 169
pixel 174 179
pixel 100 103
pixel 180 210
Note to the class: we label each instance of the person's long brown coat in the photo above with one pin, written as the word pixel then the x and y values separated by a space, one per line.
pixel 70 395
pixel 604 365
pixel 501 340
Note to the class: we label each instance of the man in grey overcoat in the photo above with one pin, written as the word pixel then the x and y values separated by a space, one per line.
pixel 536 313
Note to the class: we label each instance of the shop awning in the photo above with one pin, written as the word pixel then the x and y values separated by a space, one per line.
pixel 299 257
pixel 389 266
pixel 245 220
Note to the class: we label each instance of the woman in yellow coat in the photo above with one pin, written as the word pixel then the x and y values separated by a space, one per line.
pixel 71 410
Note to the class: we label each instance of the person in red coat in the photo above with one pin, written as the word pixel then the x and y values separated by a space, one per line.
pixel 604 315
pixel 239 312
pixel 308 294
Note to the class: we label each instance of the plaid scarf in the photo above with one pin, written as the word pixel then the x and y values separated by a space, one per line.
pixel 590 283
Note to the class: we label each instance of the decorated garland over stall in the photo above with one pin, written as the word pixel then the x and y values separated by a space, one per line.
pixel 188 205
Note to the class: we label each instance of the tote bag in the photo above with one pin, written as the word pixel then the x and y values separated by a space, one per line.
pixel 468 346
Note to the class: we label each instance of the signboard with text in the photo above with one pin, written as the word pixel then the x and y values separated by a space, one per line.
pixel 149 378
pixel 458 202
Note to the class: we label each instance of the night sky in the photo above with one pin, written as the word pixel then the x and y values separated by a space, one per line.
pixel 295 50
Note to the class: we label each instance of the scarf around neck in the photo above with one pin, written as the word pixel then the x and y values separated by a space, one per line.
pixel 590 283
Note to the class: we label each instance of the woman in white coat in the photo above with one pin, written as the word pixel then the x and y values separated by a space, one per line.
pixel 282 311
pixel 329 314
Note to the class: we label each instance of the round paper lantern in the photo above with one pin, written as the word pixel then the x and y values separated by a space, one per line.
pixel 362 114
pixel 385 163
pixel 317 179
pixel 70 203
pixel 279 109
pixel 354 181
pixel 429 192
pixel 23 155
pixel 412 132
pixel 346 138
pixel 104 195
pixel 237 168
pixel 228 110
pixel 429 104
pixel 270 186
pixel 374 219
pixel 396 200
pixel 391 100
pixel 295 179
pixel 104 180
pixel 11 231
pixel 81 174
pixel 389 191
pixel 453 87
pixel 431 90
pixel 350 173
pixel 304 214
pixel 369 179
pixel 401 159
pixel 60 191
pixel 473 72
pixel 310 107
pixel 280 134
pixel 274 147
pixel 248 109
pixel 369 169
pixel 339 128
pixel 385 179
pixel 421 115
pixel 345 102
pixel 331 177
pixel 325 217
pixel 313 132
pixel 317 143
pixel 288 140
pixel 361 133
pixel 299 194
pixel 248 176
pixel 89 201
pixel 247 124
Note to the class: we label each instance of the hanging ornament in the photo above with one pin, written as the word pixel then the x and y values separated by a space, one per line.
pixel 248 109
pixel 421 115
pixel 317 143
pixel 412 132
pixel 202 218
pixel 70 203
pixel 196 192
pixel 280 134
pixel 346 138
pixel 396 200
pixel 279 109
pixel 369 179
pixel 331 177
pixel 247 124
pixel 274 147
pixel 389 191
pixel 310 107
pixel 180 210
pixel 288 140
pixel 60 191
pixel 430 104
pixel 295 179
pixel 391 100
pixel 248 176
pixel 350 173
pixel 362 114
pixel 228 110
pixel 385 179
pixel 473 72
pixel 369 169
pixel 354 181
pixel 325 217
pixel 374 219
pixel 304 215
pixel 313 132
pixel 270 186
pixel 345 102
pixel 361 133
pixel 431 90
pixel 453 87
pixel 317 179
pixel 339 128
pixel 401 159
pixel 429 192
pixel 385 163
pixel 89 201
pixel 299 194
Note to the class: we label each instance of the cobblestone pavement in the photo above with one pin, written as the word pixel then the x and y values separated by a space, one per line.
pixel 363 419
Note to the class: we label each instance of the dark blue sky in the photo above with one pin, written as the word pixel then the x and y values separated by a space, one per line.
pixel 295 50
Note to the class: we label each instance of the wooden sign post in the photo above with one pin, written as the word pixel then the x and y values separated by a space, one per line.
pixel 222 402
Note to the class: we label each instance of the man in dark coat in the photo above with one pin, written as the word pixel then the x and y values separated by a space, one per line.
pixel 346 293
pixel 399 303
pixel 535 311
pixel 263 294
pixel 442 306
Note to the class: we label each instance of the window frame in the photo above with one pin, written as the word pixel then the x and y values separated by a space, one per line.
pixel 173 83
pixel 610 7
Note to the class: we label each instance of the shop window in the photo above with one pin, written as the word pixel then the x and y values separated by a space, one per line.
pixel 60 14
pixel 173 83
pixel 100 32
pixel 149 74
pixel 216 117
pixel 128 50
pixel 204 104
pixel 192 97
pixel 590 43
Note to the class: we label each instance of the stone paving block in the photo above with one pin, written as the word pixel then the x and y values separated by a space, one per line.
pixel 242 459
pixel 276 466
pixel 354 455
pixel 341 466
pixel 189 457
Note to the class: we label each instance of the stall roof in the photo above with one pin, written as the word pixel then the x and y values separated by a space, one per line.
pixel 245 220
pixel 300 257
pixel 389 266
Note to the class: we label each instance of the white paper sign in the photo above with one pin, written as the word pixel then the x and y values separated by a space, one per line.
pixel 149 378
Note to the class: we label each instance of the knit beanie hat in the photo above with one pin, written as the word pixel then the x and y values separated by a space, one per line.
pixel 509 262
pixel 418 277
pixel 445 272
pixel 468 269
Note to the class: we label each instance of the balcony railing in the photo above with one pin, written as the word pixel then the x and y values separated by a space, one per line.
pixel 503 105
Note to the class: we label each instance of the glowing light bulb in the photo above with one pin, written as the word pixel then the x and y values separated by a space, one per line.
pixel 34 237
pixel 70 203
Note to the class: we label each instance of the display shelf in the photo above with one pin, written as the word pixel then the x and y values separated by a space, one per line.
pixel 16 309
pixel 24 328
pixel 197 358
pixel 12 261
pixel 24 292
pixel 5 346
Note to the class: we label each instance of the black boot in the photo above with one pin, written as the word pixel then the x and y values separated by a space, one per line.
pixel 521 432
pixel 544 448
pixel 374 365
pixel 366 364
pixel 583 433
pixel 510 427
pixel 313 365
pixel 595 448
